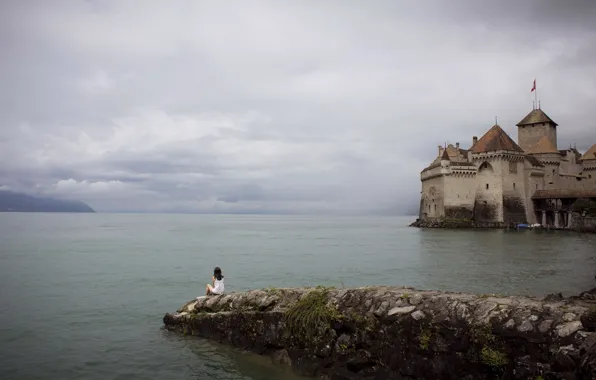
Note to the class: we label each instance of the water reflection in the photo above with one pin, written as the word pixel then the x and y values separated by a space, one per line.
pixel 210 360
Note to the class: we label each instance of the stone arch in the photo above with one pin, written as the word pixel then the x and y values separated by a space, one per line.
pixel 485 168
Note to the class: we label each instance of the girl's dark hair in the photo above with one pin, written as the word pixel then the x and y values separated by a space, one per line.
pixel 217 273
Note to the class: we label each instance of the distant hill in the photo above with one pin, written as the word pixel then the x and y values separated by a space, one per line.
pixel 18 202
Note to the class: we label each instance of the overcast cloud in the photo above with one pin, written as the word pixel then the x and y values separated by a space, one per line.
pixel 277 106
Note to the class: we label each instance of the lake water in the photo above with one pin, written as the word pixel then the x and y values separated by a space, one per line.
pixel 83 295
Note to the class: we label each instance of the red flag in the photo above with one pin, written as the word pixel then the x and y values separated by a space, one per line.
pixel 534 86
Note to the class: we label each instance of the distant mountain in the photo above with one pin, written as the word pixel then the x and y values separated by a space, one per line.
pixel 18 202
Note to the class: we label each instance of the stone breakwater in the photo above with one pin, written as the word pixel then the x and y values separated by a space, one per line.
pixel 402 333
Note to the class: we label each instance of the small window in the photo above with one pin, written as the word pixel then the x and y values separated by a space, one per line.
pixel 514 186
pixel 590 176
pixel 487 186
pixel 553 171
pixel 536 186
pixel 435 208
pixel 485 202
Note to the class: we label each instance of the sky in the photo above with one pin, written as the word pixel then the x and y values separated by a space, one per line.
pixel 275 106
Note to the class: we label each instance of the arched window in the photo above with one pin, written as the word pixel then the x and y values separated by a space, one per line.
pixel 485 166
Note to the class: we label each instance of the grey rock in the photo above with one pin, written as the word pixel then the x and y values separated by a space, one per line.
pixel 401 310
pixel 418 315
pixel 569 328
pixel 525 326
pixel 545 325
pixel 510 324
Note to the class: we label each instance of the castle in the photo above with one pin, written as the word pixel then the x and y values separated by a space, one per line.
pixel 499 182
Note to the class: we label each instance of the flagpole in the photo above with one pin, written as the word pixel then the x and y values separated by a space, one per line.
pixel 536 94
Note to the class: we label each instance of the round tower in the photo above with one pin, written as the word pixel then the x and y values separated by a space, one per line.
pixel 588 163
pixel 445 163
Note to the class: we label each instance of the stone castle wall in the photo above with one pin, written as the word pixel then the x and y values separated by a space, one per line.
pixel 460 194
pixel 488 205
pixel 432 195
pixel 514 199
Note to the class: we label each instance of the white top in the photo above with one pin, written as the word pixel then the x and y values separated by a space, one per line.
pixel 218 286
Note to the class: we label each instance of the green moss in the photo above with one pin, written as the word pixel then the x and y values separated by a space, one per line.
pixel 425 335
pixel 324 288
pixel 272 290
pixel 405 296
pixel 493 358
pixel 490 353
pixel 310 316
pixel 482 334
pixel 539 378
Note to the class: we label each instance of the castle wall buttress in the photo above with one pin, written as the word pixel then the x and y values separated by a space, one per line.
pixel 514 192
pixel 488 204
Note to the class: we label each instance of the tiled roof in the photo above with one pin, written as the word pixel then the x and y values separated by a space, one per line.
pixel 433 165
pixel 536 116
pixel 494 140
pixel 544 145
pixel 590 154
pixel 534 161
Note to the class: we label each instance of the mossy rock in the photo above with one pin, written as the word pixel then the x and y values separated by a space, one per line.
pixel 493 358
pixel 311 316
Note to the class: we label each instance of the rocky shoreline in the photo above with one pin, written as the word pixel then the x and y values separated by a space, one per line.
pixel 586 225
pixel 402 333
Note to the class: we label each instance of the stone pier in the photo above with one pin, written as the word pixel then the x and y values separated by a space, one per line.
pixel 402 333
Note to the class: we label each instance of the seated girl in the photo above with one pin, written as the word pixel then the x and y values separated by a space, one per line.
pixel 217 283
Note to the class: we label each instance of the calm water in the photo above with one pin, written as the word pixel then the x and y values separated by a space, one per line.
pixel 82 295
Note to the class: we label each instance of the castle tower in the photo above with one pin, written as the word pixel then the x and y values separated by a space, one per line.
pixel 533 127
pixel 500 182
pixel 445 163
pixel 588 162
pixel 550 157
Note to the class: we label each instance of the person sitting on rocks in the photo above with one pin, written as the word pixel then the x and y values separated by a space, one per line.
pixel 217 283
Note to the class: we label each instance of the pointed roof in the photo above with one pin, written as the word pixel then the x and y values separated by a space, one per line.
pixel 495 139
pixel 445 155
pixel 544 145
pixel 590 154
pixel 536 116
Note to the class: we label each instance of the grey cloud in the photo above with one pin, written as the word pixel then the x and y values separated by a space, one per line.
pixel 270 107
